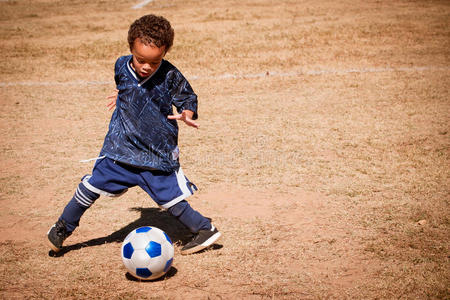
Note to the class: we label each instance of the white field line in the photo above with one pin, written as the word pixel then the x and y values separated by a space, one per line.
pixel 55 83
pixel 239 76
pixel 141 4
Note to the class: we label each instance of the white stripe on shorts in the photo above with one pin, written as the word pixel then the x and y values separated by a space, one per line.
pixel 183 185
pixel 99 191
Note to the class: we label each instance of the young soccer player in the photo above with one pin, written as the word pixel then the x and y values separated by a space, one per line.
pixel 140 148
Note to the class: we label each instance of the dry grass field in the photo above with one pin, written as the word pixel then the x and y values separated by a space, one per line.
pixel 323 151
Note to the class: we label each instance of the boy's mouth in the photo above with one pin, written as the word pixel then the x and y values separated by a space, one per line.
pixel 144 74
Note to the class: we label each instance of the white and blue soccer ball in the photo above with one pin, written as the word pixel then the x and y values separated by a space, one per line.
pixel 147 253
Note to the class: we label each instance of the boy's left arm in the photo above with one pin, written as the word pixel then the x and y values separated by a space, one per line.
pixel 185 116
pixel 184 99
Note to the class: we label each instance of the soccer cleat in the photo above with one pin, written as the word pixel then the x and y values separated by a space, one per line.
pixel 202 240
pixel 57 234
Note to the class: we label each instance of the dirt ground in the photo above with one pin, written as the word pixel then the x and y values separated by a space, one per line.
pixel 322 154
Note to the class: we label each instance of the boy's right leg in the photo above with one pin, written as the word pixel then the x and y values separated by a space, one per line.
pixel 70 218
pixel 108 179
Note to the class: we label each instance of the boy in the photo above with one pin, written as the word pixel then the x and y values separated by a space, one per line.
pixel 140 147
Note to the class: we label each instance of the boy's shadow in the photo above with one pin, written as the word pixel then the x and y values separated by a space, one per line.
pixel 149 217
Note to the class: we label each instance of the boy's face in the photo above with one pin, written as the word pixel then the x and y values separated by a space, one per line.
pixel 146 58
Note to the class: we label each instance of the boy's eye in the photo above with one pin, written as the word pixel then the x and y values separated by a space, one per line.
pixel 140 61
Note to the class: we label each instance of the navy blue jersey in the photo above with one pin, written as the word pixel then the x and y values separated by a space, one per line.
pixel 140 134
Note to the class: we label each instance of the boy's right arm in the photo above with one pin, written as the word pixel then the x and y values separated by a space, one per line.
pixel 112 103
pixel 113 96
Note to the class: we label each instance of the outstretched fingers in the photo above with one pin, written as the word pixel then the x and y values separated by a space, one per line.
pixel 185 118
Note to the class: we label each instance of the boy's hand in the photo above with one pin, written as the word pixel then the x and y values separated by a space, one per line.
pixel 112 104
pixel 186 117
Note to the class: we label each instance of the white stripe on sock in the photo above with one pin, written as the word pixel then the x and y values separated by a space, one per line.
pixel 81 200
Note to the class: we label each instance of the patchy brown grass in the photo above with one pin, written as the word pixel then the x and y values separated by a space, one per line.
pixel 317 173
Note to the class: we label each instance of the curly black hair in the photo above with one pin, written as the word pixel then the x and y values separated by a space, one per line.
pixel 151 29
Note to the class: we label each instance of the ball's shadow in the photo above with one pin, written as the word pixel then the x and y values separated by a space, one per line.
pixel 172 271
pixel 149 217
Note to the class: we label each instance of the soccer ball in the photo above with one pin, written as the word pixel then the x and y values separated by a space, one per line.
pixel 147 253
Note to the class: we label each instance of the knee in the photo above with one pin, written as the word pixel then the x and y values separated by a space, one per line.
pixel 177 209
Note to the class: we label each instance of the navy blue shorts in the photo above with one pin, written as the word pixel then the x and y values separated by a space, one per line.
pixel 112 178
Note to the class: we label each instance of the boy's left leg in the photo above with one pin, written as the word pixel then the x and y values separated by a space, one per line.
pixel 189 217
pixel 206 232
pixel 169 190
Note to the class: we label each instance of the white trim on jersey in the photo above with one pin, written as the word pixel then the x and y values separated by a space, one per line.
pixel 131 69
pixel 91 159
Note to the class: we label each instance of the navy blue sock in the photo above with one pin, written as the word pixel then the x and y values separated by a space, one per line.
pixel 72 214
pixel 190 218
pixel 81 201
